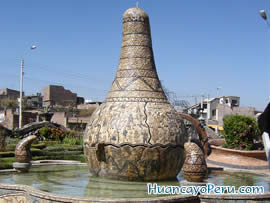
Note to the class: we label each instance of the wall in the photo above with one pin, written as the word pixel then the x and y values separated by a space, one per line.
pixel 9 93
pixel 46 96
pixel 11 119
pixel 212 106
pixel 33 101
pixel 78 122
pixel 60 118
pixel 228 100
pixel 88 106
pixel 224 110
pixel 58 95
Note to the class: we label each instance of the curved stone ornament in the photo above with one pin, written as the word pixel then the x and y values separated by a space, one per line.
pixel 135 134
pixel 195 168
pixel 22 150
pixel 200 130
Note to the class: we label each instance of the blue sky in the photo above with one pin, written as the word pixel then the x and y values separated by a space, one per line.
pixel 198 46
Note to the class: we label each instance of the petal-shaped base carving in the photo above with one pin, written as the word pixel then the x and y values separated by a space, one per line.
pixel 135 163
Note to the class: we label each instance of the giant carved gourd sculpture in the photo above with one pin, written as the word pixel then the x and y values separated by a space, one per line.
pixel 195 167
pixel 135 134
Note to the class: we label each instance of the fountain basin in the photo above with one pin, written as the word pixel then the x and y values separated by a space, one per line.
pixel 73 183
pixel 258 154
pixel 230 158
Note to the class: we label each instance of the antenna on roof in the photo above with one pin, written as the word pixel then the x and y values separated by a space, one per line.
pixel 218 89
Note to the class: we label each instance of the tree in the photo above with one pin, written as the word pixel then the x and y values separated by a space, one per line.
pixel 8 104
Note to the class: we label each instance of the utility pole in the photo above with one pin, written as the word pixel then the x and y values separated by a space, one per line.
pixel 208 110
pixel 218 88
pixel 195 99
pixel 21 90
pixel 21 95
pixel 202 100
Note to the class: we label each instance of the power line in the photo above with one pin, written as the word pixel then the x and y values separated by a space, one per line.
pixel 68 74
pixel 57 83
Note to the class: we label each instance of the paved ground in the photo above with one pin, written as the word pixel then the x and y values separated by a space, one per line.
pixel 236 162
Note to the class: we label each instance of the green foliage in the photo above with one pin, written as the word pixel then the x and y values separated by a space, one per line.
pixel 8 103
pixel 64 147
pixel 15 134
pixel 10 140
pixel 50 143
pixel 45 133
pixel 53 134
pixel 58 150
pixel 86 112
pixel 72 140
pixel 6 163
pixel 240 132
pixel 60 136
pixel 39 145
pixel 10 147
pixel 45 150
pixel 36 152
pixel 7 154
pixel 62 153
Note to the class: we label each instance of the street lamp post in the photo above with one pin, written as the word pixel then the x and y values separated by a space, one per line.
pixel 21 89
pixel 264 16
pixel 21 95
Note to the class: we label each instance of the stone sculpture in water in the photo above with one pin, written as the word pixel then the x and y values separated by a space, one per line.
pixel 135 134
pixel 22 150
pixel 195 168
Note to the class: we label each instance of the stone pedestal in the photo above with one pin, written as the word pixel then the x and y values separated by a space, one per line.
pixel 21 167
pixel 188 183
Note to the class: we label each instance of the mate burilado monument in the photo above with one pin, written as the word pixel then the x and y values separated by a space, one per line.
pixel 136 134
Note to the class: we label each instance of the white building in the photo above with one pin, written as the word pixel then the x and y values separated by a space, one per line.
pixel 214 110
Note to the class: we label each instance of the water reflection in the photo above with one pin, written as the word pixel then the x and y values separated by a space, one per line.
pixel 238 179
pixel 77 181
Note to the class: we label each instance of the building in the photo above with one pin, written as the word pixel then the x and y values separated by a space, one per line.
pixel 80 100
pixel 34 101
pixel 89 105
pixel 10 118
pixel 6 93
pixel 68 120
pixel 213 110
pixel 58 95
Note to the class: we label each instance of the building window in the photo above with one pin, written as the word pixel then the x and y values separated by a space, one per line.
pixel 234 102
pixel 214 112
